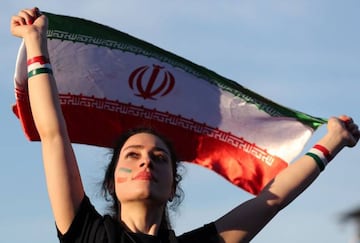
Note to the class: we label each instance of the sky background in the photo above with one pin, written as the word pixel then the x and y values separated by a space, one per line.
pixel 303 54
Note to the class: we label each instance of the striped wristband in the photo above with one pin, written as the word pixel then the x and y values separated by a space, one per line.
pixel 325 151
pixel 321 155
pixel 38 65
pixel 38 59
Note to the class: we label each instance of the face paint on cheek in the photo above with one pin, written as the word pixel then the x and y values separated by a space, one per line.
pixel 126 170
pixel 120 179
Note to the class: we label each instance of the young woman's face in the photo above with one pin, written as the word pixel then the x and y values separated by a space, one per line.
pixel 144 170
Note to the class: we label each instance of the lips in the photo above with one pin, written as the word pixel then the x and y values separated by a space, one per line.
pixel 143 175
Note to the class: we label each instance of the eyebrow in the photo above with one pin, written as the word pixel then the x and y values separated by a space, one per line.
pixel 141 146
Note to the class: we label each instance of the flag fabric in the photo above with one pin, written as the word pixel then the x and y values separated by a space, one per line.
pixel 109 82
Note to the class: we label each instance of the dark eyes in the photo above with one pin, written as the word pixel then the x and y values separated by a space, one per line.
pixel 132 155
pixel 156 157
pixel 159 157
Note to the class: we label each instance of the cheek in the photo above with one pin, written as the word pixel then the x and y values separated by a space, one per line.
pixel 120 179
pixel 168 176
pixel 122 174
pixel 124 170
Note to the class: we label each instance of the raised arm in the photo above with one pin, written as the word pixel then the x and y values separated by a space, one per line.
pixel 62 174
pixel 245 221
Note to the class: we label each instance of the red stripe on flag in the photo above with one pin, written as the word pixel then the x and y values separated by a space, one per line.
pixel 242 163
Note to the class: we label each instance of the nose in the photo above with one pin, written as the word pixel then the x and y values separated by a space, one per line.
pixel 146 162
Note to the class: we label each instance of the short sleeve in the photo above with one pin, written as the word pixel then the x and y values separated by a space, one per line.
pixel 87 226
pixel 208 233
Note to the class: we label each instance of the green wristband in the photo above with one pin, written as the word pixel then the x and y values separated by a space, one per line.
pixel 318 161
pixel 39 71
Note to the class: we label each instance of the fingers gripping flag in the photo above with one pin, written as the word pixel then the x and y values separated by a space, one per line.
pixel 110 82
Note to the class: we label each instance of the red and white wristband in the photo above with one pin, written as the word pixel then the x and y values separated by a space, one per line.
pixel 38 65
pixel 321 155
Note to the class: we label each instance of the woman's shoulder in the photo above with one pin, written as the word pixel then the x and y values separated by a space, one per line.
pixel 87 219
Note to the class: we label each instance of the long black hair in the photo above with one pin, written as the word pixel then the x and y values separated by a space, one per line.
pixel 108 186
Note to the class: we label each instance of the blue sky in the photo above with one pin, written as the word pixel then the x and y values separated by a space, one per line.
pixel 303 54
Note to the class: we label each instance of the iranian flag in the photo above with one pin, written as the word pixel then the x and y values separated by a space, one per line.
pixel 110 82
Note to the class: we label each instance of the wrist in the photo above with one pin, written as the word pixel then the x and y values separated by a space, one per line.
pixel 321 156
pixel 36 44
pixel 38 65
pixel 333 143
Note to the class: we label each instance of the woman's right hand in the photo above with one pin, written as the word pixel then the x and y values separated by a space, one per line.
pixel 29 22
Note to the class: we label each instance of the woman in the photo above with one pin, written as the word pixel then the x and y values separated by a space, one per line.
pixel 142 176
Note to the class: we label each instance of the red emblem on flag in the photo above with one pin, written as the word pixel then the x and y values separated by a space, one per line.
pixel 148 84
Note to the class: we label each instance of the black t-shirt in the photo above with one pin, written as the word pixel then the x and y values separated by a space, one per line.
pixel 90 227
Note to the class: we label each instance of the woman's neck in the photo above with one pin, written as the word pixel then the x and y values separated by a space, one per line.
pixel 141 218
